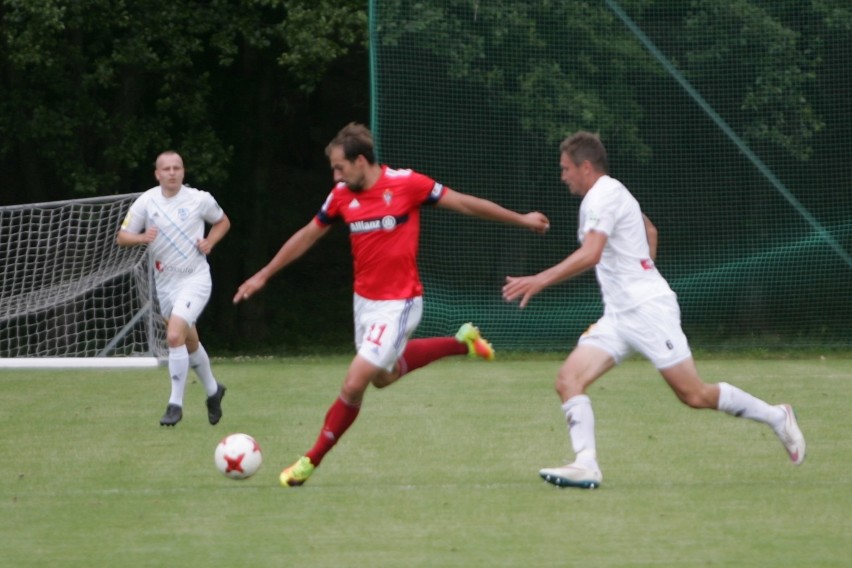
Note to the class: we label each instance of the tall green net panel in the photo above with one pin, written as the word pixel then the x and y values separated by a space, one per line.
pixel 730 121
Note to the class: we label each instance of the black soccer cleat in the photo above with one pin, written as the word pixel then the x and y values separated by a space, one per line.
pixel 214 404
pixel 173 415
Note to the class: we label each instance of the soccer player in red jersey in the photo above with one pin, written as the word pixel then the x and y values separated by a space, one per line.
pixel 381 205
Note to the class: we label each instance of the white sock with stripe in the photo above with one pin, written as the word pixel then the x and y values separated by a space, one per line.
pixel 739 403
pixel 200 363
pixel 581 428
pixel 178 369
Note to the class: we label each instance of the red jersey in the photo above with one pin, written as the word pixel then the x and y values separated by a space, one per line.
pixel 384 229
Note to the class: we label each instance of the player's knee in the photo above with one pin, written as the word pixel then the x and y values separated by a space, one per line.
pixel 354 388
pixel 352 397
pixel 568 385
pixel 175 339
pixel 381 381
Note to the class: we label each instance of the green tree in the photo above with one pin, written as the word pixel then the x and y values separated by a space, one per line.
pixel 249 92
pixel 748 61
pixel 88 101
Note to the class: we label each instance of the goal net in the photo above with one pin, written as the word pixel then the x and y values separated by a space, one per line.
pixel 71 297
pixel 729 121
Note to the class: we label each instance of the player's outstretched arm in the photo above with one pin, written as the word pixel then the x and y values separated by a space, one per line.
pixel 296 246
pixel 523 287
pixel 582 259
pixel 485 209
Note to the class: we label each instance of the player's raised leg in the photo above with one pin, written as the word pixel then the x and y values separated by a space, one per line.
pixel 684 380
pixel 420 352
pixel 780 418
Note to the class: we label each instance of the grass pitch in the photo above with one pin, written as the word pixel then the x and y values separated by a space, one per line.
pixel 438 470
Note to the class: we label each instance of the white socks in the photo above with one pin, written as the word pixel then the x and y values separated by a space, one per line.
pixel 178 369
pixel 737 402
pixel 180 360
pixel 200 363
pixel 732 400
pixel 581 428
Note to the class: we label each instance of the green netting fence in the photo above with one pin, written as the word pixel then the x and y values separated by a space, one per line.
pixel 729 120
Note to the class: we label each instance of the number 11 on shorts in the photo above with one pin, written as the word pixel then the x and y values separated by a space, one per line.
pixel 374 335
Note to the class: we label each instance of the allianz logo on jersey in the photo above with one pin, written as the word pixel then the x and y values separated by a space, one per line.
pixel 159 266
pixel 386 223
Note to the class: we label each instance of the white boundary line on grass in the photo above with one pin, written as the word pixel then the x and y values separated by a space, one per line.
pixel 79 362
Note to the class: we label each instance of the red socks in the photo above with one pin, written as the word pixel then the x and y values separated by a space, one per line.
pixel 420 352
pixel 338 419
pixel 341 415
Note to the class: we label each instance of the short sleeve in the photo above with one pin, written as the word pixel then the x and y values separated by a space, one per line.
pixel 134 221
pixel 599 213
pixel 211 212
pixel 327 212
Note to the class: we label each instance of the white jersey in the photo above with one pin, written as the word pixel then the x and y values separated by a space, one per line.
pixel 180 222
pixel 626 273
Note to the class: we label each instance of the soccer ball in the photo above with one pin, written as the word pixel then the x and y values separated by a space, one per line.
pixel 238 456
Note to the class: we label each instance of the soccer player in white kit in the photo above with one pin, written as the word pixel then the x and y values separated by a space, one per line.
pixel 170 219
pixel 641 314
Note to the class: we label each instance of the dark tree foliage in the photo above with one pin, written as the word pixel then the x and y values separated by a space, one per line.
pixel 93 89
pixel 248 92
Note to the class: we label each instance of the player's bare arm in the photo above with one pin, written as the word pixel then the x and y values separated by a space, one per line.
pixel 581 260
pixel 296 246
pixel 485 209
pixel 127 239
pixel 651 232
pixel 217 231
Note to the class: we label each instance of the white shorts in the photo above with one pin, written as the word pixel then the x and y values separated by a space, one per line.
pixel 651 329
pixel 382 328
pixel 186 300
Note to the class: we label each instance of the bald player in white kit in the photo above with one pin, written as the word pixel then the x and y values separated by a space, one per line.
pixel 170 218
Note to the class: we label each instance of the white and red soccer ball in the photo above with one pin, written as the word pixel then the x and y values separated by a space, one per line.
pixel 238 456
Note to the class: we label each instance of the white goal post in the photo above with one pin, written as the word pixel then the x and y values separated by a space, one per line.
pixel 69 296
